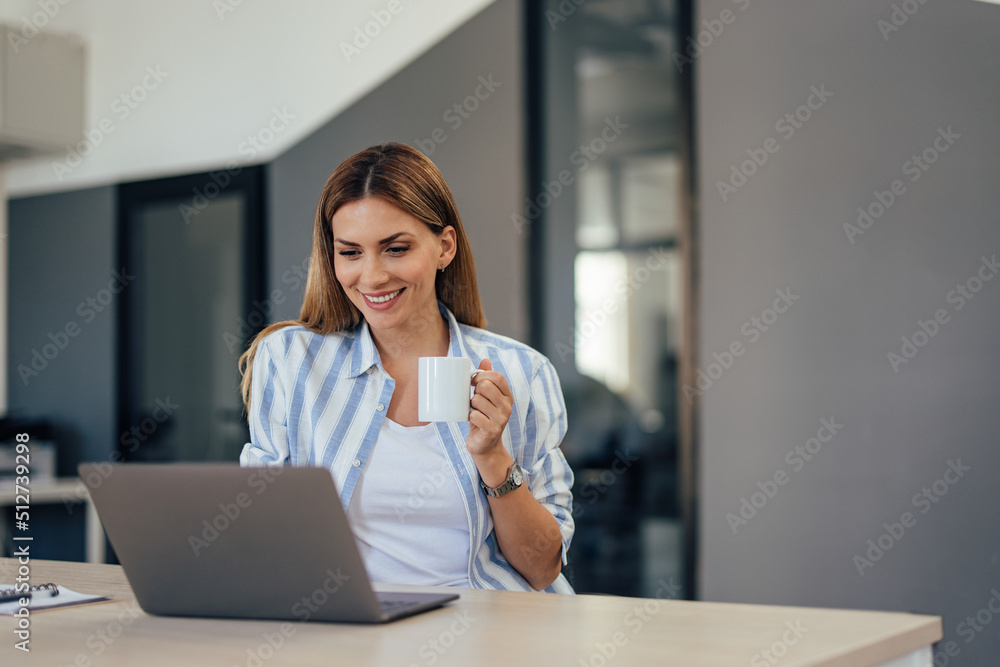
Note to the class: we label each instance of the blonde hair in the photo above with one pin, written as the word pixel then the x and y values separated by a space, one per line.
pixel 407 179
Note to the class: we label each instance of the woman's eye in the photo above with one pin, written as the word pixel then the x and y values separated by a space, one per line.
pixel 398 249
pixel 348 253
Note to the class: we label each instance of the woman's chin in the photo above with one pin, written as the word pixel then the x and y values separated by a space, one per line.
pixel 385 317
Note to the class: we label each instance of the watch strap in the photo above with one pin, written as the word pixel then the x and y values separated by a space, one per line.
pixel 509 484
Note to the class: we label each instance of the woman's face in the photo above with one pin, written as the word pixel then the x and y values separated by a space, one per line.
pixel 387 260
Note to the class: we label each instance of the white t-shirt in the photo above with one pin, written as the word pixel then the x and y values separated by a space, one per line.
pixel 408 513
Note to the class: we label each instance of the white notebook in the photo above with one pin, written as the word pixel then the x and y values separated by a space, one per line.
pixel 42 598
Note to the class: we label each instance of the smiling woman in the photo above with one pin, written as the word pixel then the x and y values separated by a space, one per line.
pixel 484 503
pixel 403 178
pixel 390 279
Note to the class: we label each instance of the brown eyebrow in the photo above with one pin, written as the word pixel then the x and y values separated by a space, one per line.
pixel 387 240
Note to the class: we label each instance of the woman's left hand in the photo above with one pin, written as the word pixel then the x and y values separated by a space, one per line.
pixel 490 410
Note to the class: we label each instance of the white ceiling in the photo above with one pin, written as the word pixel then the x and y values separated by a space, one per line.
pixel 229 67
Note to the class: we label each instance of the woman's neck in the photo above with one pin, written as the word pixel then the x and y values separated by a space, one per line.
pixel 423 336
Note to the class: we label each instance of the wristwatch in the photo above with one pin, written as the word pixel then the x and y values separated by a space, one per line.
pixel 514 478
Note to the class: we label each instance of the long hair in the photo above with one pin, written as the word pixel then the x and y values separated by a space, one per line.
pixel 407 179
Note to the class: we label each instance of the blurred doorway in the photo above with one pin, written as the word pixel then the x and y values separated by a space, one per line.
pixel 605 217
pixel 194 247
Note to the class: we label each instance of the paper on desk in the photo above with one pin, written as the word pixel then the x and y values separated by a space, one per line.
pixel 42 600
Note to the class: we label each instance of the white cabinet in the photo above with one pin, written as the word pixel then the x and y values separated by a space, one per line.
pixel 41 91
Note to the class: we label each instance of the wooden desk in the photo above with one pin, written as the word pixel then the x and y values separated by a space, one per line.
pixel 481 628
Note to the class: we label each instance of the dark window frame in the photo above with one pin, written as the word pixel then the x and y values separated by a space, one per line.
pixel 250 181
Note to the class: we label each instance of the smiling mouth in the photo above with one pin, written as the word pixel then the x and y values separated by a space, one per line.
pixel 384 298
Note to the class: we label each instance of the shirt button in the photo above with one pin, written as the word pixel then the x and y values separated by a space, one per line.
pixel 357 463
pixel 369 371
pixel 380 407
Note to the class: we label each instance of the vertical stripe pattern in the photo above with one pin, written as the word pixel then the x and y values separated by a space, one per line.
pixel 320 400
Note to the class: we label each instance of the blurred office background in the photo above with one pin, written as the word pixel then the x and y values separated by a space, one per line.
pixel 663 197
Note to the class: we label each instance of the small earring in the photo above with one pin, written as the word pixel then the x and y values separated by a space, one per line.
pixel 442 267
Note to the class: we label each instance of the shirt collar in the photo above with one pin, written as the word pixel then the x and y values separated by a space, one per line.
pixel 364 354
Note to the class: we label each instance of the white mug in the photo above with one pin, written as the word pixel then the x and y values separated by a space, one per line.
pixel 444 389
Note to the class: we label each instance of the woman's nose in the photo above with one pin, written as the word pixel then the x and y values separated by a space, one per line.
pixel 373 272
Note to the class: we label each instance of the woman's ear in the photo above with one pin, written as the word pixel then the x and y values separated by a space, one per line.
pixel 449 245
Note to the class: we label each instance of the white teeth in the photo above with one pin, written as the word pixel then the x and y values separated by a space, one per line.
pixel 383 299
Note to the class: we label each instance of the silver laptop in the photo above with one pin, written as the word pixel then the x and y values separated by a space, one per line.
pixel 218 540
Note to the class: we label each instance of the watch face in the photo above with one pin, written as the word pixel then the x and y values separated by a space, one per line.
pixel 516 476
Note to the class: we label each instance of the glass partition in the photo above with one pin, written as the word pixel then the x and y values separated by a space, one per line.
pixel 607 276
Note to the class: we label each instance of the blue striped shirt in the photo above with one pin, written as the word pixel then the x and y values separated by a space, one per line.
pixel 320 400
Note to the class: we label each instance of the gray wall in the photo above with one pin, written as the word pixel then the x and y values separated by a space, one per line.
pixel 61 256
pixel 827 355
pixel 482 159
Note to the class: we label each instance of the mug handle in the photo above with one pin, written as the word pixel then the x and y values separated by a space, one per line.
pixel 472 373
